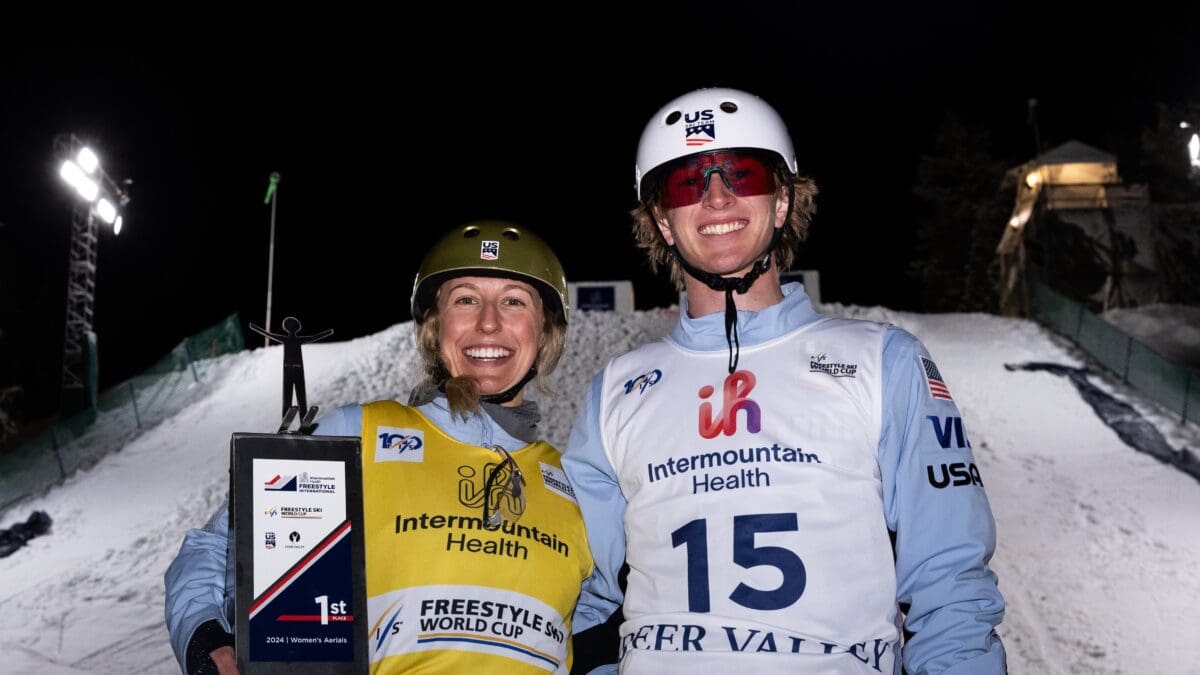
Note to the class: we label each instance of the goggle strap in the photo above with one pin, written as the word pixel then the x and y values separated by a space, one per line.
pixel 731 329
pixel 730 285
pixel 515 489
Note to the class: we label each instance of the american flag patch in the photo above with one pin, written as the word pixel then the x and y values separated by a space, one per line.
pixel 937 387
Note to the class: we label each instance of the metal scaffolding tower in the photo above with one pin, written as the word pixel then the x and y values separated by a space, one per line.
pixel 100 200
pixel 81 295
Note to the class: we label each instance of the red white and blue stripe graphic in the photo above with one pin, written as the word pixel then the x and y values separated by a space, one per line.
pixel 299 569
pixel 700 134
pixel 476 638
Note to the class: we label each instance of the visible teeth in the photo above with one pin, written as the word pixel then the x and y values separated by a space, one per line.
pixel 722 228
pixel 487 352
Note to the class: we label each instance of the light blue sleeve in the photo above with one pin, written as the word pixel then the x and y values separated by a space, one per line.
pixel 343 421
pixel 593 607
pixel 199 582
pixel 599 494
pixel 945 533
pixel 195 582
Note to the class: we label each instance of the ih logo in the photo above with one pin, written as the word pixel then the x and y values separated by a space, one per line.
pixel 735 396
pixel 473 485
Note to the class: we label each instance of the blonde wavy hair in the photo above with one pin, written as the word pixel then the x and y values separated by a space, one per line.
pixel 463 392
pixel 647 237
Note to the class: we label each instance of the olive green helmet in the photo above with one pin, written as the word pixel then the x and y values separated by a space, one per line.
pixel 491 248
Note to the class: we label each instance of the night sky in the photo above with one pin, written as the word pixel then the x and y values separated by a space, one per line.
pixel 387 133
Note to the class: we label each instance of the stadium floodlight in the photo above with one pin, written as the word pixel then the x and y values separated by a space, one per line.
pixel 75 176
pixel 100 200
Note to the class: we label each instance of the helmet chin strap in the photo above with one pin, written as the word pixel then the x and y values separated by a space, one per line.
pixel 499 397
pixel 510 393
pixel 729 285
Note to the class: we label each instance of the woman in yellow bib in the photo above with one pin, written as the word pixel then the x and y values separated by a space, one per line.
pixel 476 555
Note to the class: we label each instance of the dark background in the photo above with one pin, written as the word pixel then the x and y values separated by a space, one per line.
pixel 389 131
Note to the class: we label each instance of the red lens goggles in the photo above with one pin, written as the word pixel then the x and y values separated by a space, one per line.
pixel 746 174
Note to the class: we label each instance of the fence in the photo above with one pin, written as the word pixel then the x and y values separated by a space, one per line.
pixel 1167 383
pixel 137 403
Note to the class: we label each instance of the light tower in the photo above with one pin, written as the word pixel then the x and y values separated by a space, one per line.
pixel 100 199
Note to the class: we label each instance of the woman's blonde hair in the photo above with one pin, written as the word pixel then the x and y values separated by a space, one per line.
pixel 795 230
pixel 463 392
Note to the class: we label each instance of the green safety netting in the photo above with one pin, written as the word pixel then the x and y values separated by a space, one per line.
pixel 120 412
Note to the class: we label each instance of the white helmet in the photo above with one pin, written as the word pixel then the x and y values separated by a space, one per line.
pixel 711 119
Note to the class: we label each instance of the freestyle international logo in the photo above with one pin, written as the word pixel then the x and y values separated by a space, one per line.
pixel 305 482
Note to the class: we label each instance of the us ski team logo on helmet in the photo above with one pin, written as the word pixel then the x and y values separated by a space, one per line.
pixel 700 125
pixel 489 250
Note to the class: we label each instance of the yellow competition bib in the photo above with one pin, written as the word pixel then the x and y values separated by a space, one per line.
pixel 444 593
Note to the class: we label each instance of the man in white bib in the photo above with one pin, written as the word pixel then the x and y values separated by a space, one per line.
pixel 792 493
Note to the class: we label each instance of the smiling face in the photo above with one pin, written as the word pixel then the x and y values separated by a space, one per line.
pixel 723 233
pixel 489 329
